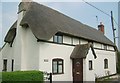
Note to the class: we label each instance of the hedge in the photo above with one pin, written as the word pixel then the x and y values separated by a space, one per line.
pixel 22 77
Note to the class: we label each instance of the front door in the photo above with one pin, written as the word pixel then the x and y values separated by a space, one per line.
pixel 77 70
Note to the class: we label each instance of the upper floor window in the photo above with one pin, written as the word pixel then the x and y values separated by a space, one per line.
pixel 58 38
pixel 90 65
pixel 105 63
pixel 57 66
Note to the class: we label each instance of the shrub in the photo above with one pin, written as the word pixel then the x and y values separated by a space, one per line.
pixel 22 77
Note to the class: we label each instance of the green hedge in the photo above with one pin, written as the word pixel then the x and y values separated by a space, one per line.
pixel 22 77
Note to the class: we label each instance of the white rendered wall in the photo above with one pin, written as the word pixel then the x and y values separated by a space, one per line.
pixel 8 53
pixel 97 45
pixel 88 75
pixel 51 39
pixel 83 41
pixel 50 51
pixel 30 60
pixel 99 62
pixel 75 41
pixel 110 48
pixel 19 43
pixel 67 40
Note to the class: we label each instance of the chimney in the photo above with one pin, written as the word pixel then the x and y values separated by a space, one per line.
pixel 24 5
pixel 101 27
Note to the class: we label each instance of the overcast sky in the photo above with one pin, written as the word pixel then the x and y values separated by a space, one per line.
pixel 77 10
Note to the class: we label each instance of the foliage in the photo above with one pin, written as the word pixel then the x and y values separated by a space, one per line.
pixel 22 77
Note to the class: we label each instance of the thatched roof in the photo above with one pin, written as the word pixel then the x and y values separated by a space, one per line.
pixel 46 22
pixel 81 51
pixel 11 33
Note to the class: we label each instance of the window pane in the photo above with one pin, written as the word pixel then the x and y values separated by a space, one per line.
pixel 60 62
pixel 105 63
pixel 90 65
pixel 60 69
pixel 54 67
pixel 60 39
pixel 55 38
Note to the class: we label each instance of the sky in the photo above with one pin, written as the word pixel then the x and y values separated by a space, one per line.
pixel 78 10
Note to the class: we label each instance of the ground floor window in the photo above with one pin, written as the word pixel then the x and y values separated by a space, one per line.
pixel 105 63
pixel 5 65
pixel 90 65
pixel 12 68
pixel 57 66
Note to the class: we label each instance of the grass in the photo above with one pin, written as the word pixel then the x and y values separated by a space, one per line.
pixel 105 80
pixel 22 77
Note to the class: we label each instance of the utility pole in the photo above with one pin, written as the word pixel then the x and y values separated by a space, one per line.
pixel 113 28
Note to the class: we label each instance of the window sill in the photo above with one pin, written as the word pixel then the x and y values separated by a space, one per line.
pixel 57 73
pixel 105 68
pixel 90 69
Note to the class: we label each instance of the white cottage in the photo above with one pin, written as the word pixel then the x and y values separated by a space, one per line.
pixel 47 40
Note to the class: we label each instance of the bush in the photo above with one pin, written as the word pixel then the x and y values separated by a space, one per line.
pixel 22 77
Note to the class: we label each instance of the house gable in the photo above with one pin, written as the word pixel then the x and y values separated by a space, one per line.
pixel 81 51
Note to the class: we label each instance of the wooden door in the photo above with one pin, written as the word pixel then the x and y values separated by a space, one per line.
pixel 77 70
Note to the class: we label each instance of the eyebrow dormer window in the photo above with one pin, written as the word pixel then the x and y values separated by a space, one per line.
pixel 58 38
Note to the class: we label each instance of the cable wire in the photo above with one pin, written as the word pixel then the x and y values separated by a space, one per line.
pixel 102 12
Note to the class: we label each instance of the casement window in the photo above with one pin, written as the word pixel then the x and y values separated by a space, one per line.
pixel 105 63
pixel 12 67
pixel 5 65
pixel 57 66
pixel 90 65
pixel 58 38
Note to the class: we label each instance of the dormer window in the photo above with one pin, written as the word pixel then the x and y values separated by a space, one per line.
pixel 58 38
